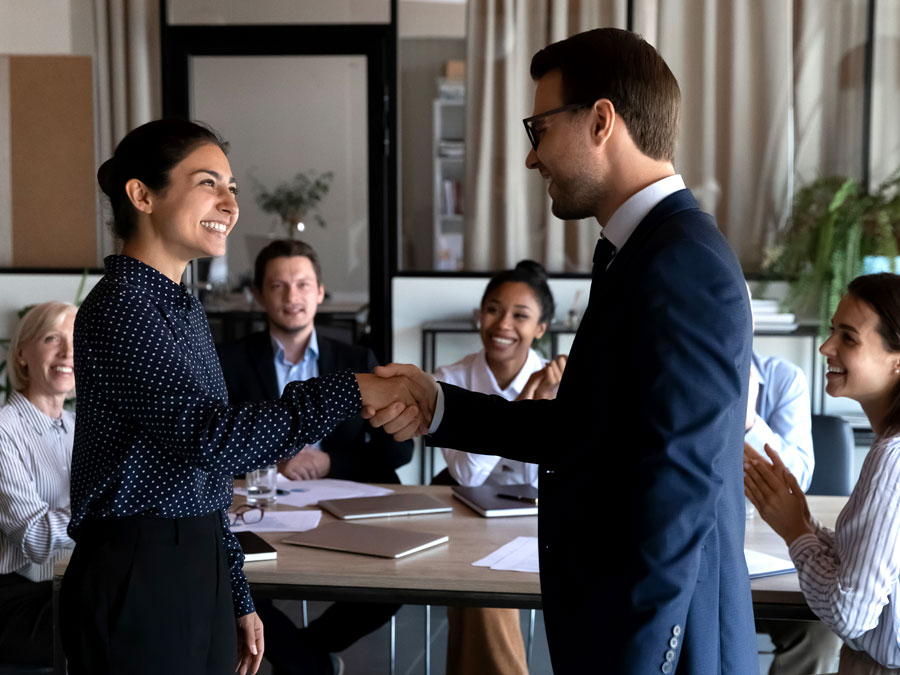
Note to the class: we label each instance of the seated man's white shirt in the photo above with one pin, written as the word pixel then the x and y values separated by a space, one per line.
pixel 783 419
pixel 468 468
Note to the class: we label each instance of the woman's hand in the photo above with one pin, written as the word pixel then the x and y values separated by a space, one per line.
pixel 777 496
pixel 250 644
pixel 543 383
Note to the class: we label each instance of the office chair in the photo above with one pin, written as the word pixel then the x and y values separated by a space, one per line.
pixel 833 447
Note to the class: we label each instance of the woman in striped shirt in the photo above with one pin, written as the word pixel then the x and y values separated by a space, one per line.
pixel 35 458
pixel 851 577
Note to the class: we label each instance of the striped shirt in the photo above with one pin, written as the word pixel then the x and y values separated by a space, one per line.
pixel 35 463
pixel 851 577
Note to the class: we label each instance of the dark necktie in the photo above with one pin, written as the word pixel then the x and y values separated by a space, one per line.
pixel 603 253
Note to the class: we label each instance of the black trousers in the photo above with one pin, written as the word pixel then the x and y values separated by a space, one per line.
pixel 26 621
pixel 149 595
pixel 306 651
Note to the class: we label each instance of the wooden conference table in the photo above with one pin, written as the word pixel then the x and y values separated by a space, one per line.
pixel 444 575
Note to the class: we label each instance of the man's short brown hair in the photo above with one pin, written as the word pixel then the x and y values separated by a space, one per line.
pixel 284 248
pixel 620 66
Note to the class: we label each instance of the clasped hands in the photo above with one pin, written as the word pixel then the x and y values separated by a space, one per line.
pixel 775 493
pixel 399 397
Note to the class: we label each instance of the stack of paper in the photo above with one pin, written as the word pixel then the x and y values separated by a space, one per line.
pixel 283 521
pixel 310 492
pixel 765 565
pixel 519 555
pixel 767 317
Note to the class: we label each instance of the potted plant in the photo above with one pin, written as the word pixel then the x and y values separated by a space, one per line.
pixel 835 226
pixel 292 201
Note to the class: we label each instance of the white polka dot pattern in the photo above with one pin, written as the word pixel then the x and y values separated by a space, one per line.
pixel 154 433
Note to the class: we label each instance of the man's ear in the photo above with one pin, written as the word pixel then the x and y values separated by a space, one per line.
pixel 321 296
pixel 603 120
pixel 139 195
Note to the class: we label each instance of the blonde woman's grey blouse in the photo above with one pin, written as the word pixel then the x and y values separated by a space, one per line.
pixel 35 464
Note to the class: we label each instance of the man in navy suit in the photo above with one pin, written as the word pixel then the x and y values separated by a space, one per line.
pixel 641 523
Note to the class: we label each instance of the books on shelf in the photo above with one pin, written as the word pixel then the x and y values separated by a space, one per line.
pixel 451 197
pixel 451 90
pixel 451 147
pixel 767 317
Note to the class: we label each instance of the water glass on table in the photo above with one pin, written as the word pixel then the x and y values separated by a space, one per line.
pixel 261 485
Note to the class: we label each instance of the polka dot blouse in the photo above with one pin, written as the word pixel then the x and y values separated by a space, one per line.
pixel 154 433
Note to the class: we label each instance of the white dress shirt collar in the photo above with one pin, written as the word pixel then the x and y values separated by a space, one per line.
pixel 483 379
pixel 628 216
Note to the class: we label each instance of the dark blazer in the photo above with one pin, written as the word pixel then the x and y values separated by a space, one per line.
pixel 357 451
pixel 641 521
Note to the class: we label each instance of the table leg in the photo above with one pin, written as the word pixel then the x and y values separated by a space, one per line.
pixel 59 657
pixel 530 648
pixel 427 639
pixel 393 649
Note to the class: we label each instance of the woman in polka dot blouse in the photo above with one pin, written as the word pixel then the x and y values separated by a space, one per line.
pixel 156 581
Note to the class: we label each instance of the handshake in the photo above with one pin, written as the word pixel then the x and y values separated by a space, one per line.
pixel 399 397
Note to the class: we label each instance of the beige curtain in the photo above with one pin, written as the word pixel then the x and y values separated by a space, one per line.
pixel 507 208
pixel 772 96
pixel 885 139
pixel 127 89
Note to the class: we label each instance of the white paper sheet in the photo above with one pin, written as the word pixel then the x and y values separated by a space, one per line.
pixel 283 521
pixel 519 555
pixel 765 565
pixel 310 492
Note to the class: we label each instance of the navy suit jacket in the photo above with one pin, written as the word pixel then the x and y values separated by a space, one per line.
pixel 357 451
pixel 641 520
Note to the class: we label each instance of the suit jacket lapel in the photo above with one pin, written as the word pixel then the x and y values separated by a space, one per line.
pixel 326 356
pixel 262 359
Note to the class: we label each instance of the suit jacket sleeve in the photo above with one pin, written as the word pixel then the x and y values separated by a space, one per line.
pixel 689 317
pixel 491 425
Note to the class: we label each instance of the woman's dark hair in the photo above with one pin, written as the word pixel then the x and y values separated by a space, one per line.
pixel 882 293
pixel 149 153
pixel 531 273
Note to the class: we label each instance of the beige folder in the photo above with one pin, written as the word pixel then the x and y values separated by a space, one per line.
pixel 385 542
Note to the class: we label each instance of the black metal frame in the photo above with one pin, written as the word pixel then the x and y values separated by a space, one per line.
pixel 378 43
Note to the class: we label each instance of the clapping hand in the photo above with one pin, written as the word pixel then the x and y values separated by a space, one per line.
pixel 777 496
pixel 414 419
pixel 308 464
pixel 543 383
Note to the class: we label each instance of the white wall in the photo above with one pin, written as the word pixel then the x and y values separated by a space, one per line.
pixel 35 27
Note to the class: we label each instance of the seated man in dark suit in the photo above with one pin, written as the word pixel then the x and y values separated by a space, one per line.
pixel 287 282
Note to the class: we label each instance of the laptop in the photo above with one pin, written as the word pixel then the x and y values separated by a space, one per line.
pixel 384 542
pixel 493 501
pixel 397 504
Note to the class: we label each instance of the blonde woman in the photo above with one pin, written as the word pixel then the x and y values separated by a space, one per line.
pixel 36 436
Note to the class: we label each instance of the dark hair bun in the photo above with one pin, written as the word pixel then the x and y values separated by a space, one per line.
pixel 533 269
pixel 105 176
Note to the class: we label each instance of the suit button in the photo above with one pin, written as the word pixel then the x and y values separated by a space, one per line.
pixel 676 630
pixel 673 642
pixel 670 655
pixel 666 667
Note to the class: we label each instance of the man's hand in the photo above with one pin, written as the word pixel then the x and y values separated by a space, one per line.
pixel 308 464
pixel 250 644
pixel 777 496
pixel 406 423
pixel 543 383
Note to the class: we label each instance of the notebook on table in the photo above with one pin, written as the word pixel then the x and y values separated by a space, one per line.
pixel 493 501
pixel 384 542
pixel 397 504
pixel 255 547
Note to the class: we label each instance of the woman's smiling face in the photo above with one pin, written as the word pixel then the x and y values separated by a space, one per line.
pixel 195 213
pixel 859 366
pixel 510 322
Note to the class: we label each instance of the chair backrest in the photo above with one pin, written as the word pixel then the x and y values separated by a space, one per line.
pixel 833 447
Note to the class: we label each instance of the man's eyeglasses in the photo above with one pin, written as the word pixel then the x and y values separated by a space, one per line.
pixel 529 121
pixel 246 514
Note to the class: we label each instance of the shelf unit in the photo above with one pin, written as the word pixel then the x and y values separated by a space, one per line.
pixel 449 171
